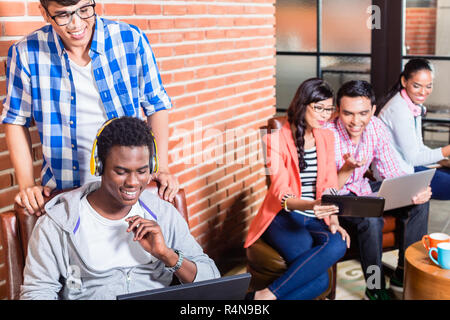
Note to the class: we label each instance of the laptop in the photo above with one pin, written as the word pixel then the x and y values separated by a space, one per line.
pixel 225 288
pixel 398 192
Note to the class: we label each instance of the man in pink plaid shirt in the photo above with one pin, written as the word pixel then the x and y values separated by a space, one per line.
pixel 361 140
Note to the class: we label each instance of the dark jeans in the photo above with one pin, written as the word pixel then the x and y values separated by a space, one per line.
pixel 440 184
pixel 309 249
pixel 412 223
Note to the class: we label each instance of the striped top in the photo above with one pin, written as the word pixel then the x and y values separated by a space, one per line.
pixel 308 177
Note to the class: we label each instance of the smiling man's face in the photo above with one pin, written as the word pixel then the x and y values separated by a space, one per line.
pixel 78 33
pixel 355 113
pixel 125 175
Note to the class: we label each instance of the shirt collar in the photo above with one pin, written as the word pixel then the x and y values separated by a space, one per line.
pixel 57 41
pixel 415 109
pixel 98 40
pixel 343 132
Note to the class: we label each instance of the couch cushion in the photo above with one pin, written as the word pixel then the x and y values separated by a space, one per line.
pixel 11 257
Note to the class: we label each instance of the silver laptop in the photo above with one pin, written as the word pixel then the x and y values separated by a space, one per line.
pixel 398 192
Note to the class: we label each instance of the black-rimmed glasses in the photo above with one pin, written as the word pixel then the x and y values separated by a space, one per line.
pixel 65 18
pixel 319 109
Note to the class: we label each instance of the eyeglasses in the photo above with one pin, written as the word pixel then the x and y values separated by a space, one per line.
pixel 65 18
pixel 319 109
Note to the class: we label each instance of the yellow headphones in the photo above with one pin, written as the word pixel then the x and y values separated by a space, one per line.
pixel 96 164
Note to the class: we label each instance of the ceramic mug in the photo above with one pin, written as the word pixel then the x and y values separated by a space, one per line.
pixel 443 254
pixel 434 239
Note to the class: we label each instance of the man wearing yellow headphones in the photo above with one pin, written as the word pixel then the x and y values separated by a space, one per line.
pixel 69 77
pixel 113 236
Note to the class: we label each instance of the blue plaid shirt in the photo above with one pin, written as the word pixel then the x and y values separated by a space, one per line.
pixel 40 86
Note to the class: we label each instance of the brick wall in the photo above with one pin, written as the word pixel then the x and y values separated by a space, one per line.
pixel 420 30
pixel 217 63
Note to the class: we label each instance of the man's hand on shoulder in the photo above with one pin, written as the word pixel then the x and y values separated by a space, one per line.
pixel 169 185
pixel 32 199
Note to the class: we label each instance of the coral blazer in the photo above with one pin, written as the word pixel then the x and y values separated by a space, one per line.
pixel 282 163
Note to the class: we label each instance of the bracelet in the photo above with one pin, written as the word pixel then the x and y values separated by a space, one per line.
pixel 179 262
pixel 285 206
pixel 284 201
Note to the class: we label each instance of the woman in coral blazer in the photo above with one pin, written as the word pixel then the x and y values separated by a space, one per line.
pixel 292 219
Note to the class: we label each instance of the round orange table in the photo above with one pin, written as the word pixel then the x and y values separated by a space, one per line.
pixel 424 280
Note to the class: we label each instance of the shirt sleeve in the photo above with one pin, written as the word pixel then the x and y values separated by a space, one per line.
pixel 42 269
pixel 384 159
pixel 18 102
pixel 332 177
pixel 409 142
pixel 152 95
pixel 178 236
pixel 278 172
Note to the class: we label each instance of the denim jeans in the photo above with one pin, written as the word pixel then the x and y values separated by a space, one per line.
pixel 309 249
pixel 440 184
pixel 412 222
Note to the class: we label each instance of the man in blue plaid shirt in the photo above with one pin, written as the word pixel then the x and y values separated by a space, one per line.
pixel 71 76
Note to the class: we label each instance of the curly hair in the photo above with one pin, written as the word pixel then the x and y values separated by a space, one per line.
pixel 127 132
pixel 311 90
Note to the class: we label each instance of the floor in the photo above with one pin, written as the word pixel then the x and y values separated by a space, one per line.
pixel 350 284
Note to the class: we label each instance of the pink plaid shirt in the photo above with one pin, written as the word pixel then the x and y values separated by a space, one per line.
pixel 374 146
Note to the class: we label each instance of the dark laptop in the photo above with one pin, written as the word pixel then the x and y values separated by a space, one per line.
pixel 224 288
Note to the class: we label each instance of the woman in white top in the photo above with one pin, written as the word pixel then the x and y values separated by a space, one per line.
pixel 402 110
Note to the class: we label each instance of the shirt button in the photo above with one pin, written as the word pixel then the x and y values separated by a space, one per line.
pixel 74 168
pixel 71 122
pixel 73 146
pixel 71 98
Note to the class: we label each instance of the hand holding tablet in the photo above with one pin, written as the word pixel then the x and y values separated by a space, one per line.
pixel 353 206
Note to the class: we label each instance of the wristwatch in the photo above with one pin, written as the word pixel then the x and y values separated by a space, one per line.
pixel 179 262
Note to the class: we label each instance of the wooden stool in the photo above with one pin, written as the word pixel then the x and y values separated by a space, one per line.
pixel 423 279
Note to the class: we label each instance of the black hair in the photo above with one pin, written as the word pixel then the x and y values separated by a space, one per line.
pixel 45 3
pixel 354 89
pixel 124 131
pixel 311 90
pixel 413 66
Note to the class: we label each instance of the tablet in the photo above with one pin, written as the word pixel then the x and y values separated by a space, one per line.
pixel 353 206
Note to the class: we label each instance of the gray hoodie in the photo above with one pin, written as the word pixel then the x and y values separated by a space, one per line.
pixel 55 269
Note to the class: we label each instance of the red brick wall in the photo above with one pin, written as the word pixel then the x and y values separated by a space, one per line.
pixel 217 64
pixel 420 30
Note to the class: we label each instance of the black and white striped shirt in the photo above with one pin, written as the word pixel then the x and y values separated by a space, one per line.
pixel 308 177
